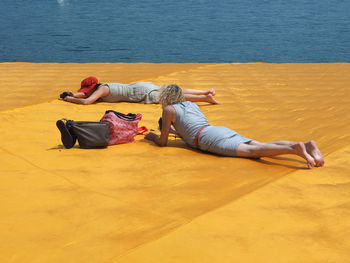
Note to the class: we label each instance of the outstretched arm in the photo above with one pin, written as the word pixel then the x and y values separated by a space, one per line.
pixel 168 116
pixel 77 95
pixel 99 93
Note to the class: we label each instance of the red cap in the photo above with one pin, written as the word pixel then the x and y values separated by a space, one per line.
pixel 88 84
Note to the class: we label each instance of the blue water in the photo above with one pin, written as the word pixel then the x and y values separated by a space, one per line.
pixel 175 31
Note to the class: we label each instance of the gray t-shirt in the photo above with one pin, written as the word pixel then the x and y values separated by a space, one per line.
pixel 189 120
pixel 215 139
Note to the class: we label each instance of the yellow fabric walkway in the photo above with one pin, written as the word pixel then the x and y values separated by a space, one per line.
pixel 141 203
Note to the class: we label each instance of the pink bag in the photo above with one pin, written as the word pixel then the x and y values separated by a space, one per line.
pixel 123 128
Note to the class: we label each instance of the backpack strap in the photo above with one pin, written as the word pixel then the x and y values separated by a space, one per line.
pixel 129 116
pixel 142 130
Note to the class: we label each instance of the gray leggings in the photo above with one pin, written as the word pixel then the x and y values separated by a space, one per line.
pixel 220 140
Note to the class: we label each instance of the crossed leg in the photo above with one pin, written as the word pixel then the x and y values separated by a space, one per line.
pixel 311 149
pixel 199 92
pixel 195 95
pixel 257 149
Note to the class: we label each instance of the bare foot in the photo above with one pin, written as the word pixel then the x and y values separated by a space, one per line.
pixel 211 99
pixel 301 151
pixel 312 149
pixel 212 92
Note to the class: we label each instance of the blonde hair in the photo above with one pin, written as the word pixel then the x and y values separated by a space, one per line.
pixel 171 94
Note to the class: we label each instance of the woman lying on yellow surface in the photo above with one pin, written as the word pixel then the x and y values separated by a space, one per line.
pixel 143 92
pixel 193 127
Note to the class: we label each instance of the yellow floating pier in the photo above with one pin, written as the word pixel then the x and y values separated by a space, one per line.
pixel 141 203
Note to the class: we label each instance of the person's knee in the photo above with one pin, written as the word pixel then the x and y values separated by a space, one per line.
pixel 246 150
pixel 253 142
